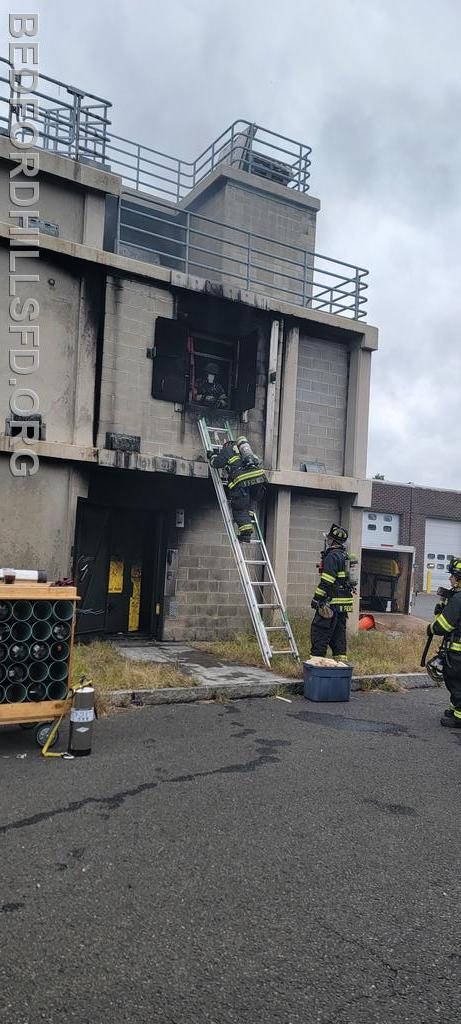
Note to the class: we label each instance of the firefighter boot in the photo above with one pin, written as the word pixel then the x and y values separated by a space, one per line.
pixel 452 721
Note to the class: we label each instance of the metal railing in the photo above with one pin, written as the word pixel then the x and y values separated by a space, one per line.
pixel 194 244
pixel 75 124
pixel 67 120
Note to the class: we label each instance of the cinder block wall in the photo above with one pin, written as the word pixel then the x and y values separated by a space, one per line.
pixel 127 406
pixel 310 518
pixel 321 401
pixel 209 600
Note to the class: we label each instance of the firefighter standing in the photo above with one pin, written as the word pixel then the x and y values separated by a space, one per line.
pixel 332 598
pixel 447 623
pixel 246 481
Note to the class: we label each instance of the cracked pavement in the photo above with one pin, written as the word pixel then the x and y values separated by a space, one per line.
pixel 258 861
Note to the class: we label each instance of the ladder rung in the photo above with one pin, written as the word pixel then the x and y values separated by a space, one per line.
pixel 288 651
pixel 263 583
pixel 271 628
pixel 270 605
pixel 250 561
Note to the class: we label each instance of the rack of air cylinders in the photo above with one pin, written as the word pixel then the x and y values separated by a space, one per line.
pixel 36 639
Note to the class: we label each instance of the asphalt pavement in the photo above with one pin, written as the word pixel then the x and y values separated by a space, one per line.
pixel 259 861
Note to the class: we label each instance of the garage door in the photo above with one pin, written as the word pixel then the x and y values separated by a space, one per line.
pixel 380 528
pixel 443 539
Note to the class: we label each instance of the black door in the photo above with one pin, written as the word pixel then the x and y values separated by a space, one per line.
pixel 118 569
pixel 91 553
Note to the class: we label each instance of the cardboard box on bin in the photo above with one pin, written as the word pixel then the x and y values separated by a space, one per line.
pixel 327 684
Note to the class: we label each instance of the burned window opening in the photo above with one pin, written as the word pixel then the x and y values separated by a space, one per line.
pixel 203 370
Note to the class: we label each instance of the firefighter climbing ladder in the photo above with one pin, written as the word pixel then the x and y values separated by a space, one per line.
pixel 259 584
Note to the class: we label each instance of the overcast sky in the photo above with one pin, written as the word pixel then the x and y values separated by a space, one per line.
pixel 374 86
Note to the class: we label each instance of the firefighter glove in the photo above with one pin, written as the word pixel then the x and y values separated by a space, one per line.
pixel 439 609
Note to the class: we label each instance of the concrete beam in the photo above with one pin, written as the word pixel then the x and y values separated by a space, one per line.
pixel 278 536
pixel 358 405
pixel 251 182
pixel 51 449
pixel 320 482
pixel 54 165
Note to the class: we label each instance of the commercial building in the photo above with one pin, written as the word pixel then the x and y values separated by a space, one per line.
pixel 151 267
pixel 427 519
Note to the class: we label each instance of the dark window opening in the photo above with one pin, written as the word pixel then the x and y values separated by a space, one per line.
pixel 387 529
pixel 203 370
pixel 371 526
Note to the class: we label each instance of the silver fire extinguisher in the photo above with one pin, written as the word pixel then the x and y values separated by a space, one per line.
pixel 82 716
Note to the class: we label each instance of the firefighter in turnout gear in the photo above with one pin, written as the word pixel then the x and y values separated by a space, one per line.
pixel 332 598
pixel 447 623
pixel 209 391
pixel 246 481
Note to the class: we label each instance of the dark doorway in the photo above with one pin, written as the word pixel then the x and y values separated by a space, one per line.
pixel 118 569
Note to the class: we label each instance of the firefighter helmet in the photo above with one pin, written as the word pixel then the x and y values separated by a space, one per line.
pixel 434 668
pixel 454 567
pixel 211 368
pixel 338 533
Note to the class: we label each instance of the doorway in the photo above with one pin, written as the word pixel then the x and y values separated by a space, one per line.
pixel 119 569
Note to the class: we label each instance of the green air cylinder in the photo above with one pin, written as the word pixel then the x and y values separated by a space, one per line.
pixel 81 722
pixel 39 651
pixel 36 691
pixel 41 630
pixel 18 652
pixel 63 610
pixel 15 693
pixel 56 690
pixel 22 610
pixel 4 631
pixel 42 609
pixel 21 631
pixel 38 672
pixel 17 674
pixel 5 611
pixel 59 651
pixel 61 631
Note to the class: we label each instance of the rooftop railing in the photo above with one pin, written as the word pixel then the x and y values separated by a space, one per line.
pixel 76 124
pixel 194 244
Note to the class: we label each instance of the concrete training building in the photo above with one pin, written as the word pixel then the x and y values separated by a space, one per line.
pixel 149 267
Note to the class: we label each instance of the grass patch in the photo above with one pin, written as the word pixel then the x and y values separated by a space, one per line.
pixel 372 653
pixel 109 670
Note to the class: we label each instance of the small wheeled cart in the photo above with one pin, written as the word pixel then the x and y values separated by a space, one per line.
pixel 37 624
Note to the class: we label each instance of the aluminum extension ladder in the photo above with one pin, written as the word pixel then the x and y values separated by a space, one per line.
pixel 259 584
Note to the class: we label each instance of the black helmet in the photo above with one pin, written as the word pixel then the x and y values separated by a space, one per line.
pixel 434 668
pixel 211 368
pixel 338 533
pixel 454 567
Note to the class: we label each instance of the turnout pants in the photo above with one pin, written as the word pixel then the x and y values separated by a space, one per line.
pixel 329 633
pixel 452 679
pixel 242 501
pixel 240 506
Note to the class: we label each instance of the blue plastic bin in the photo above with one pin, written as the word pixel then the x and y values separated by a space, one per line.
pixel 323 684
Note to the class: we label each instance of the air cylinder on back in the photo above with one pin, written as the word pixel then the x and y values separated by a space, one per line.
pixel 81 722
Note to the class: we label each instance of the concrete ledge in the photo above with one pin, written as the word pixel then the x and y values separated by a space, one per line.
pixel 236 690
pixel 88 175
